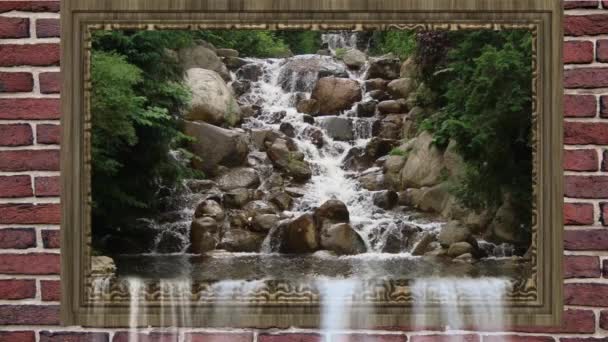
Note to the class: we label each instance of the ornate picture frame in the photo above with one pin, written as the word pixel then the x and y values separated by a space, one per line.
pixel 536 299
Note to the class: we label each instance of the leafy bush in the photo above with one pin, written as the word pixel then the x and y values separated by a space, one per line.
pixel 398 152
pixel 249 43
pixel 340 52
pixel 400 43
pixel 301 42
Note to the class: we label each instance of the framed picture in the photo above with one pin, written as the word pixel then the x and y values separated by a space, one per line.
pixel 336 164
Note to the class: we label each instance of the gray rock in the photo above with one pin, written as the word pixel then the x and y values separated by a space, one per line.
pixel 250 72
pixel 386 199
pixel 453 232
pixel 459 248
pixel 387 67
pixel 367 109
pixel 240 87
pixel 240 240
pixel 282 200
pixel 234 63
pixel 354 58
pixel 301 73
pixel 200 185
pixel 287 129
pixel 424 244
pixel 212 101
pixel 401 87
pixel 342 239
pixel 240 177
pixel 308 106
pixel 289 160
pixel 227 52
pixel 237 198
pixel 338 128
pixel 390 127
pixel 379 95
pixel 204 58
pixel 265 222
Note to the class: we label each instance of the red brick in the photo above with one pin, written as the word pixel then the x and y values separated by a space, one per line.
pixel 605 268
pixel 581 266
pixel 586 186
pixel 50 238
pixel 586 294
pixel 15 186
pixel 586 77
pixel 26 213
pixel 586 25
pixel 578 52
pixel 29 160
pixel 572 4
pixel 124 336
pixel 368 338
pixel 17 336
pixel 71 336
pixel 17 238
pixel 583 339
pixel 50 82
pixel 14 27
pixel 29 314
pixel 47 186
pixel 445 338
pixel 581 160
pixel 29 54
pixel 33 263
pixel 46 28
pixel 50 290
pixel 604 106
pixel 586 133
pixel 517 338
pixel 586 239
pixel 300 337
pixel 575 321
pixel 12 289
pixel 218 337
pixel 605 160
pixel 604 213
pixel 16 135
pixel 47 134
pixel 602 50
pixel 581 106
pixel 578 214
pixel 29 6
pixel 604 318
pixel 29 109
pixel 16 82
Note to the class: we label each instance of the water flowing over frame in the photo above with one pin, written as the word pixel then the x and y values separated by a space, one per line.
pixel 533 300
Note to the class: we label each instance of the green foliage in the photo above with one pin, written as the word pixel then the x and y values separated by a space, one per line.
pixel 340 52
pixel 249 43
pixel 301 42
pixel 135 103
pixel 487 110
pixel 398 152
pixel 399 43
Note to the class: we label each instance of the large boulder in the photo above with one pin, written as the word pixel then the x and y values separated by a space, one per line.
pixel 240 240
pixel 308 106
pixel 409 69
pixel 387 67
pixel 240 177
pixel 375 84
pixel 227 52
pixel 424 165
pixel 212 101
pixel 237 198
pixel 299 235
pixel 216 146
pixel 354 58
pixel 507 225
pixel 301 73
pixel 250 72
pixel 289 160
pixel 204 58
pixel 392 106
pixel 367 109
pixel 264 222
pixel 102 266
pixel 210 208
pixel 203 235
pixel 342 239
pixel 336 94
pixel 390 127
pixel 385 199
pixel 401 87
pixel 331 212
pixel 338 128
pixel 453 232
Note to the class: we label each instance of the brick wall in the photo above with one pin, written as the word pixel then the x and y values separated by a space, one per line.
pixel 29 203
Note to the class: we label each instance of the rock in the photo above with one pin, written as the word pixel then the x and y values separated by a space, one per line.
pixel 372 181
pixel 342 239
pixel 434 199
pixel 324 52
pixel 258 207
pixel 390 127
pixel 507 226
pixel 240 177
pixel 354 58
pixel 240 240
pixel 466 257
pixel 336 94
pixel 452 232
pixel 424 163
pixel 265 222
pixel 308 106
pixel 204 58
pixel 287 129
pixel 212 100
pixel 379 95
pixel 338 128
pixel 276 117
pixel 393 164
pixel 386 199
pixel 423 245
pixel 409 69
pixel 102 266
pixel 203 235
pixel 452 160
pixel 295 192
pixel 401 87
pixel 237 198
pixel 299 235
pixel 378 147
pixel 250 72
pixel 240 87
pixel 392 106
pixel 387 67
pixel 282 200
pixel 398 238
pixel 227 53
pixel 259 136
pixel 301 73
pixel 209 208
pixel 292 162
pixel 274 181
pixel 459 248
pixel 169 241
pixel 200 185
pixel 367 109
pixel 375 84
pixel 331 212
pixel 315 135
pixel 234 63
pixel 251 111
pixel 308 119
